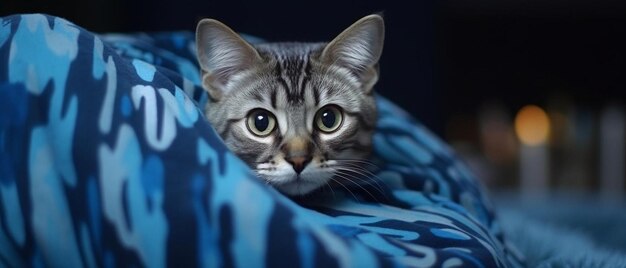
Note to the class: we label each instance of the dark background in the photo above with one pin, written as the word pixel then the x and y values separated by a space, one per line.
pixel 441 58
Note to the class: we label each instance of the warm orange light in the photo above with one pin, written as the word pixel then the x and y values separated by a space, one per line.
pixel 532 125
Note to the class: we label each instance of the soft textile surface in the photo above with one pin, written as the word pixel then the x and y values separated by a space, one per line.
pixel 106 160
pixel 574 230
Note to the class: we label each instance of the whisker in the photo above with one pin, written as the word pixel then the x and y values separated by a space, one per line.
pixel 262 177
pixel 354 180
pixel 368 175
pixel 331 189
pixel 367 162
pixel 353 165
pixel 369 180
pixel 342 185
pixel 346 177
pixel 364 164
pixel 375 181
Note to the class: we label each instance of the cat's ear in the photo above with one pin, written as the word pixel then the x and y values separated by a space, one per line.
pixel 358 49
pixel 222 54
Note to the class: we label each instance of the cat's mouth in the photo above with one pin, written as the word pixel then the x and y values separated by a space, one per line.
pixel 291 183
pixel 299 186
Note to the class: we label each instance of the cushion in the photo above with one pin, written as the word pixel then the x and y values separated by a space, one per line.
pixel 106 159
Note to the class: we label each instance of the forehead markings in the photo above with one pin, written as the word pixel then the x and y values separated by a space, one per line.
pixel 278 74
pixel 304 76
pixel 257 96
pixel 273 97
pixel 293 73
pixel 316 95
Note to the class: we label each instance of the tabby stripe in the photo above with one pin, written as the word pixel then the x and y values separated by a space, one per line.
pixel 344 140
pixel 273 97
pixel 361 118
pixel 257 96
pixel 354 146
pixel 228 125
pixel 248 157
pixel 316 95
pixel 279 76
pixel 252 152
pixel 293 73
pixel 348 134
pixel 278 138
pixel 305 79
pixel 315 135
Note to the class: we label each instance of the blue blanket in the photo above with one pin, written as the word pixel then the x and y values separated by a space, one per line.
pixel 107 160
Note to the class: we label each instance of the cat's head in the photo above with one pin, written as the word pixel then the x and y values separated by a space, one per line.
pixel 300 114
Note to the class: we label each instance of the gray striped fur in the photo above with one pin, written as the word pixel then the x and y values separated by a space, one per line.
pixel 293 81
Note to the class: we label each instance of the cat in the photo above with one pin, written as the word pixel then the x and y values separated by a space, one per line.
pixel 301 115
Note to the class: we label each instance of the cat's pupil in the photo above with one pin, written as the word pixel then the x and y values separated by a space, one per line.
pixel 261 122
pixel 328 118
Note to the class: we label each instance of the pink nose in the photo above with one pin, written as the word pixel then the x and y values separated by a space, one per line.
pixel 298 162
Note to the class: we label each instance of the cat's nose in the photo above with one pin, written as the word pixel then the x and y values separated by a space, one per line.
pixel 297 152
pixel 298 162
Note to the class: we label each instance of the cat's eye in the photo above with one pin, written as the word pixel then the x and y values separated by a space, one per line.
pixel 328 118
pixel 261 122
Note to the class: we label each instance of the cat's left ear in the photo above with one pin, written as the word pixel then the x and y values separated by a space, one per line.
pixel 358 49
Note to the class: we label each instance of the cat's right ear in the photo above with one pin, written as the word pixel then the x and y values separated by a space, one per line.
pixel 222 54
